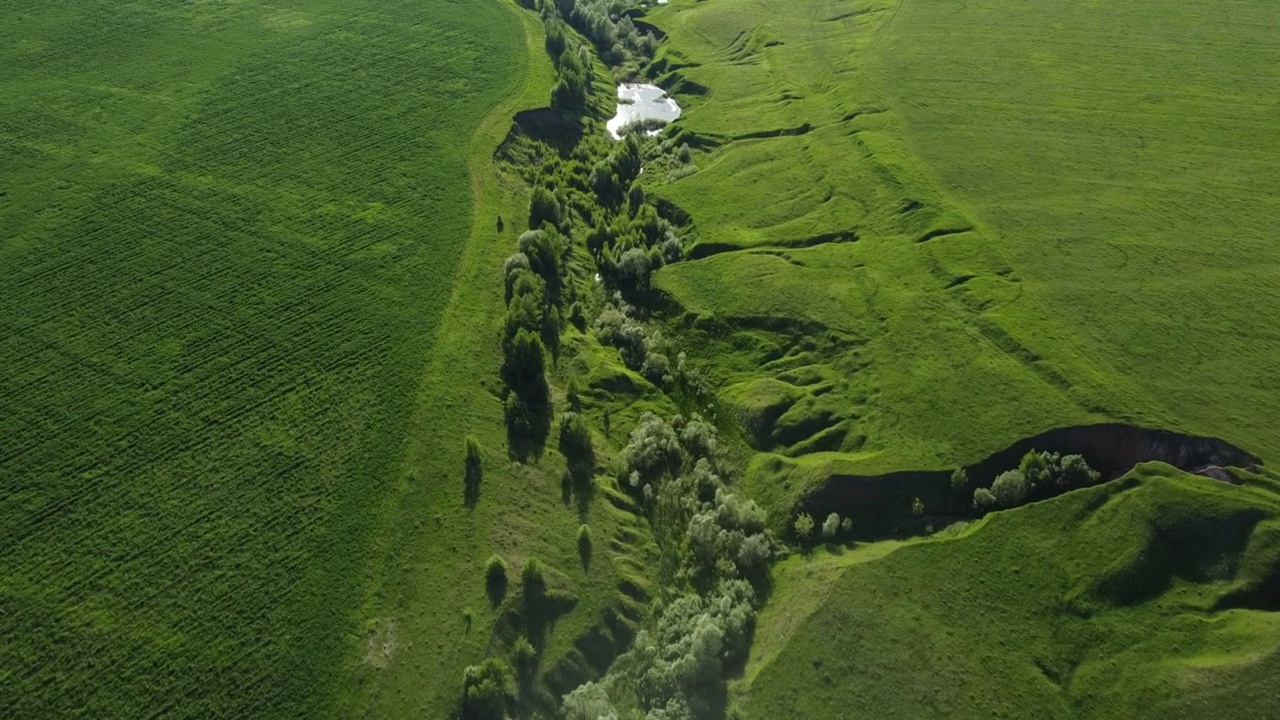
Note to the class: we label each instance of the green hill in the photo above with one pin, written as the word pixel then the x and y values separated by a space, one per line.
pixel 927 230
pixel 1151 596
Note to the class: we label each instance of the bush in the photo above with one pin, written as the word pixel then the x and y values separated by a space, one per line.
pixel 575 438
pixel 803 526
pixel 983 500
pixel 960 482
pixel 588 702
pixel 1076 473
pixel 1010 488
pixel 533 584
pixel 524 363
pixel 584 545
pixel 917 507
pixel 525 659
pixel 495 578
pixel 634 269
pixel 485 690
pixel 831 526
pixel 544 209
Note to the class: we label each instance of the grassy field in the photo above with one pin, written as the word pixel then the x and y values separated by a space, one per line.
pixel 228 236
pixel 929 230
pixel 1127 600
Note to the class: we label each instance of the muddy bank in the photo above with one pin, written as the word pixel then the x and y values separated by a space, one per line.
pixel 880 503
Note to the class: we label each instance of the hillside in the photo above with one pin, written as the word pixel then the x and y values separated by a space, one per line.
pixel 1153 596
pixel 925 232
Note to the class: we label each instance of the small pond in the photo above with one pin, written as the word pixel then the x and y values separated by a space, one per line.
pixel 642 102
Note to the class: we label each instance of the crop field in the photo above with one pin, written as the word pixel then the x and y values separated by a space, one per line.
pixel 989 220
pixel 228 233
pixel 1139 598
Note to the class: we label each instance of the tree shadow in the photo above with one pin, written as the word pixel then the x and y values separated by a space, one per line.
pixel 471 481
pixel 528 417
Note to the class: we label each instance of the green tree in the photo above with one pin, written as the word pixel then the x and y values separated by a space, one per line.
pixel 1010 488
pixel 983 500
pixel 831 526
pixel 803 526
pixel 485 689
pixel 495 578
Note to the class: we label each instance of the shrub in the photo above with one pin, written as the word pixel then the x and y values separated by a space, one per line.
pixel 803 526
pixel 588 702
pixel 495 578
pixel 633 271
pixel 584 545
pixel 846 525
pixel 831 526
pixel 524 363
pixel 983 500
pixel 960 482
pixel 532 582
pixel 474 468
pixel 1010 488
pixel 485 690
pixel 575 438
pixel 1076 473
pixel 525 659
pixel 544 209
pixel 917 507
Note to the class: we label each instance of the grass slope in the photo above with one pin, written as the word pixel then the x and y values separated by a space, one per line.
pixel 925 230
pixel 228 233
pixel 427 616
pixel 1138 598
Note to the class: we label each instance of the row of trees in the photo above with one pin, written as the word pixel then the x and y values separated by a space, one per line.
pixel 715 545
pixel 1039 475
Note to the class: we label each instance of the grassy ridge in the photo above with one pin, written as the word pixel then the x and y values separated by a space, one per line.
pixel 1123 600
pixel 228 234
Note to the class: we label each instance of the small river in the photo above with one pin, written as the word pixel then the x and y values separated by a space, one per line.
pixel 641 102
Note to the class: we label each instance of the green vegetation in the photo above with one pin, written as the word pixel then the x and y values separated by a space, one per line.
pixel 253 330
pixel 923 231
pixel 1152 596
pixel 228 236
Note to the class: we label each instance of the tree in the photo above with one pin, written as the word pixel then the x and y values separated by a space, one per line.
pixel 917 507
pixel 544 209
pixel 831 526
pixel 960 482
pixel 525 659
pixel 633 271
pixel 1010 488
pixel 485 690
pixel 983 500
pixel 1076 473
pixel 584 545
pixel 589 702
pixel 495 578
pixel 525 363
pixel 803 526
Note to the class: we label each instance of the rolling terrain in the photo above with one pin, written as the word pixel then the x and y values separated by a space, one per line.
pixel 950 237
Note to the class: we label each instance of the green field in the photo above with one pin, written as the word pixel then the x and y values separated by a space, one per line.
pixel 252 262
pixel 228 236
pixel 993 219
pixel 1139 598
